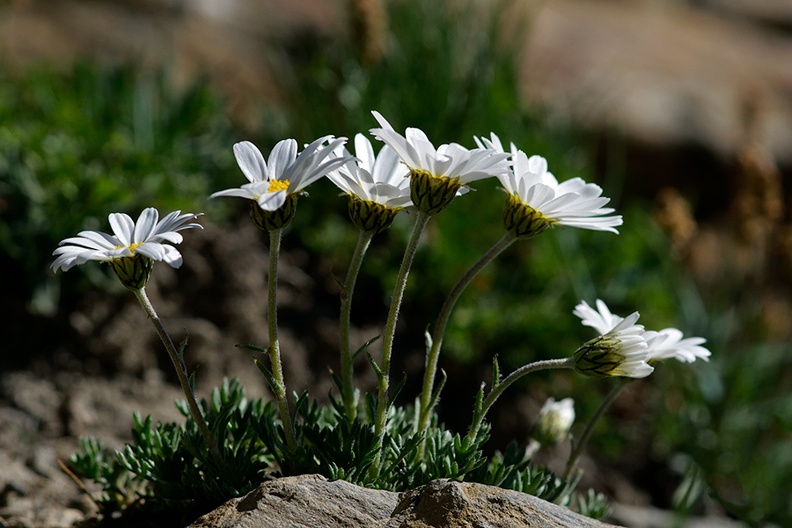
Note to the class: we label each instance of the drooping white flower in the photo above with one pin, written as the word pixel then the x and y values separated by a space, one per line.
pixel 538 201
pixel 669 343
pixel 620 351
pixel 132 247
pixel 438 174
pixel 555 420
pixel 286 173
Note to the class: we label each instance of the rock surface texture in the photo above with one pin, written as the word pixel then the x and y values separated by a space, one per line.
pixel 312 501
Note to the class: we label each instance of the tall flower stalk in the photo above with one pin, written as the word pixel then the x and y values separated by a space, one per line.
pixel 483 405
pixel 131 251
pixel 378 189
pixel 277 380
pixel 273 188
pixel 177 359
pixel 347 370
pixel 437 175
pixel 535 202
pixel 428 397
pixel 383 369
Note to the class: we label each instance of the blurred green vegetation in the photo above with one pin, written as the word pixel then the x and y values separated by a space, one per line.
pixel 119 141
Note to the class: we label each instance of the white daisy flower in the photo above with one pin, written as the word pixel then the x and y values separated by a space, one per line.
pixel 669 343
pixel 621 351
pixel 286 173
pixel 538 201
pixel 438 174
pixel 378 186
pixel 132 247
pixel 382 178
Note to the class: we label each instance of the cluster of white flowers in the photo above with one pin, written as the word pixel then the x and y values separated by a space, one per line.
pixel 409 172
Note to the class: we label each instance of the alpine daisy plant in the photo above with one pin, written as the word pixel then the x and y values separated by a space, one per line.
pixel 648 347
pixel 131 251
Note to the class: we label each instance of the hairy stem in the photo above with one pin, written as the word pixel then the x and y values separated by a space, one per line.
pixel 421 219
pixel 499 387
pixel 347 378
pixel 181 372
pixel 279 385
pixel 584 438
pixel 427 399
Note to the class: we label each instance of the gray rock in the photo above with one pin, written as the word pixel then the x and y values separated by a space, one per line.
pixel 312 501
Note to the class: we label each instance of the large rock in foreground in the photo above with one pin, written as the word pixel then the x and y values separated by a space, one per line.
pixel 311 501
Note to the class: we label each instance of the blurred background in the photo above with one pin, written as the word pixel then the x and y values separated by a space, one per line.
pixel 681 110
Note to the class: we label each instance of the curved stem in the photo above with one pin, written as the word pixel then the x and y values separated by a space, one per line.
pixel 181 372
pixel 584 438
pixel 347 381
pixel 278 383
pixel 427 398
pixel 499 387
pixel 421 219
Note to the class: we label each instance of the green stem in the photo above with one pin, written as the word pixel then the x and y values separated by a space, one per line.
pixel 347 381
pixel 181 372
pixel 421 219
pixel 278 383
pixel 427 399
pixel 584 438
pixel 499 387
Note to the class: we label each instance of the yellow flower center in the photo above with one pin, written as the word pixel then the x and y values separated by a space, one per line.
pixel 131 247
pixel 278 185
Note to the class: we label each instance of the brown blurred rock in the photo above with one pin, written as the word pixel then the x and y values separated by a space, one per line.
pixel 661 72
pixel 309 501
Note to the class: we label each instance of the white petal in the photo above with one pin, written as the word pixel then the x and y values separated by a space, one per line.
pixel 123 227
pixel 145 225
pixel 272 201
pixel 282 156
pixel 251 161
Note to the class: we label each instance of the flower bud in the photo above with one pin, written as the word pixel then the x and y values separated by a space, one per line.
pixel 555 420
